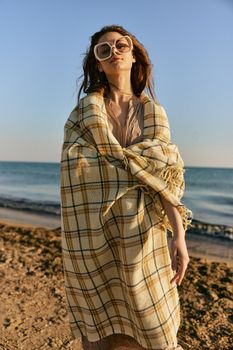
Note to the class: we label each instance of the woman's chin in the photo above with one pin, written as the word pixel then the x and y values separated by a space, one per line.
pixel 117 67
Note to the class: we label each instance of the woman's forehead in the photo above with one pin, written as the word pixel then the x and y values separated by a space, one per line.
pixel 109 37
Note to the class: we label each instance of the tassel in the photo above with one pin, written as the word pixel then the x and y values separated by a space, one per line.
pixel 173 176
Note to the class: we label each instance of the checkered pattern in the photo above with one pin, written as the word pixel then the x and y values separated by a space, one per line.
pixel 117 266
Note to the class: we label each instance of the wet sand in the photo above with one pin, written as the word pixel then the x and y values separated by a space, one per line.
pixel 22 217
pixel 33 310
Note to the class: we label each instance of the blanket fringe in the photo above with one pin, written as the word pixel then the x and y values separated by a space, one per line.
pixel 173 176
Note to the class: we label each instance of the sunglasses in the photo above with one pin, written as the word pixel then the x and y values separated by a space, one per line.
pixel 103 51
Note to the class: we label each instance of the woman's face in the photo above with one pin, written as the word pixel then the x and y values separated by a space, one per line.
pixel 118 62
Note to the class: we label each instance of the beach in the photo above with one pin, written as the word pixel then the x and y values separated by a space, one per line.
pixel 33 309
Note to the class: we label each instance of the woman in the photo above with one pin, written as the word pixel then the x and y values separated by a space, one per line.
pixel 121 185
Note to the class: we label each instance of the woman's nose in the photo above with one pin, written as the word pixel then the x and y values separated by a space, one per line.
pixel 115 50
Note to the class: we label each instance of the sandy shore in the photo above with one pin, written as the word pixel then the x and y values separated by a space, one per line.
pixel 33 310
pixel 200 245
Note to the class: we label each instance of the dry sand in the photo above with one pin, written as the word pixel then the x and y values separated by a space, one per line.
pixel 32 306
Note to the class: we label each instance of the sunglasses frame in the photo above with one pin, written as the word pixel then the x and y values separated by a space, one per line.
pixel 111 47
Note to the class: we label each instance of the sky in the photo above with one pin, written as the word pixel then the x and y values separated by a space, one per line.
pixel 42 45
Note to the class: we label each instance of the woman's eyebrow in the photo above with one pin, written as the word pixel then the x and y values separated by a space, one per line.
pixel 111 41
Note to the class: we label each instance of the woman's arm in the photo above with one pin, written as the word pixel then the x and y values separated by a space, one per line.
pixel 174 218
pixel 178 244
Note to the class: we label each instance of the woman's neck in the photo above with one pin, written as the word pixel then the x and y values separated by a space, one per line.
pixel 120 90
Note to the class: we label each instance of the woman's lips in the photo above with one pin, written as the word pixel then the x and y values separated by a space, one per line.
pixel 115 59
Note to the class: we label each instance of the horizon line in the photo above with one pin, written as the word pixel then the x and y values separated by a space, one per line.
pixel 58 162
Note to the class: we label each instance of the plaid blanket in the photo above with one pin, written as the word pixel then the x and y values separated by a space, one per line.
pixel 116 260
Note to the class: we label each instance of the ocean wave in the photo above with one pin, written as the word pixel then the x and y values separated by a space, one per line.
pixel 42 207
pixel 215 231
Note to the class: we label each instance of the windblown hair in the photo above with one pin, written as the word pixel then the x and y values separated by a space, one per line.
pixel 96 81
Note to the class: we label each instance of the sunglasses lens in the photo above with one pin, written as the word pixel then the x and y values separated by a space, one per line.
pixel 123 45
pixel 104 51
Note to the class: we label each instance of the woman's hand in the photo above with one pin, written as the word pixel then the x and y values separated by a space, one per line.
pixel 179 257
pixel 178 250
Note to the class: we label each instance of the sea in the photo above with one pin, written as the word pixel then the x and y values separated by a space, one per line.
pixel 34 187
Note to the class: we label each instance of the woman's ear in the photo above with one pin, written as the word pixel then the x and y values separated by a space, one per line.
pixel 100 68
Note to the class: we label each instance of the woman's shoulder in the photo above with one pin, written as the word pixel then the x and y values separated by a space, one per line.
pixel 90 98
pixel 85 107
pixel 152 103
pixel 146 98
